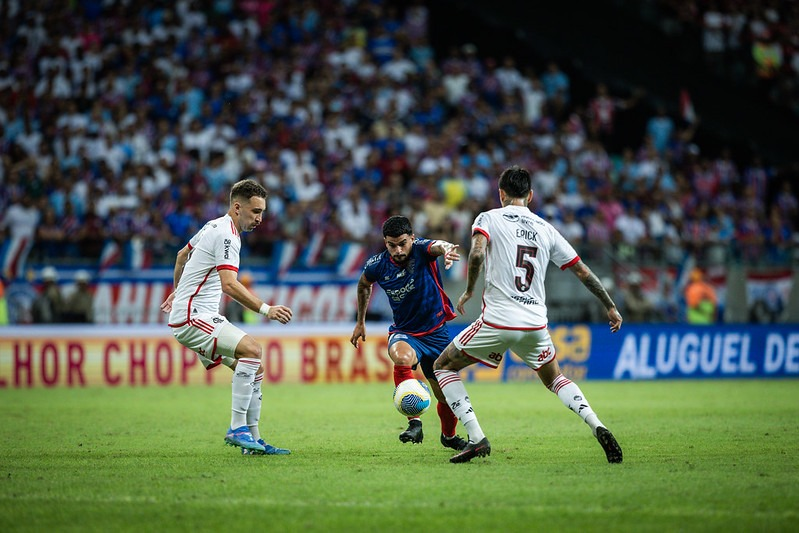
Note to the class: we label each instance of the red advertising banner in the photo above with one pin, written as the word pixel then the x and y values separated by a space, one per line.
pixel 149 356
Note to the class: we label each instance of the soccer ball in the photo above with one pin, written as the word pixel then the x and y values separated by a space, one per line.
pixel 412 397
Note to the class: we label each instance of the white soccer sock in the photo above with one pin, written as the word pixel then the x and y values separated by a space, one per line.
pixel 573 398
pixel 254 410
pixel 457 398
pixel 243 378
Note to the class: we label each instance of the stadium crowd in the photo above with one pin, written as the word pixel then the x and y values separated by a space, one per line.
pixel 126 121
pixel 755 42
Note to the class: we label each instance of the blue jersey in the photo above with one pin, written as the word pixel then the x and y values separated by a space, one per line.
pixel 415 291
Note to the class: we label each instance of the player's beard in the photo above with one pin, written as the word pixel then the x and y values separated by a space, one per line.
pixel 401 259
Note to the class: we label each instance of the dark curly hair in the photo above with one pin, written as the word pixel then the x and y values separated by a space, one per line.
pixel 396 226
pixel 515 181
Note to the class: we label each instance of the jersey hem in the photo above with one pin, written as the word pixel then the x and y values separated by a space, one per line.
pixel 519 328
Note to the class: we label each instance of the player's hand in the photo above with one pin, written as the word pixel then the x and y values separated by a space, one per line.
pixel 166 307
pixel 281 313
pixel 465 297
pixel 357 334
pixel 450 256
pixel 615 319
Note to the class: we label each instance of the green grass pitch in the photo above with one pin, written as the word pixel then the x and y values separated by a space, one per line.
pixel 698 456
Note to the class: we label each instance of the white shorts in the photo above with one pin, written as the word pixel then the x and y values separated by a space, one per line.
pixel 487 344
pixel 212 338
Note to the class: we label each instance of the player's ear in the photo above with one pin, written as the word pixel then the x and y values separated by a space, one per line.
pixel 530 196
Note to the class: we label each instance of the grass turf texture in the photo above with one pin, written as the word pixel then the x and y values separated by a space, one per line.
pixel 698 456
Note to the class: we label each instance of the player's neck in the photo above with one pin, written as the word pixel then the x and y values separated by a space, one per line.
pixel 519 202
pixel 232 214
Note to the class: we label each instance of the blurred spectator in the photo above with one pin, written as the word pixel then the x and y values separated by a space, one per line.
pixel 79 304
pixel 660 128
pixel 667 308
pixel 318 98
pixel 18 229
pixel 353 215
pixel 637 307
pixel 570 228
pixel 700 300
pixel 48 305
pixel 767 308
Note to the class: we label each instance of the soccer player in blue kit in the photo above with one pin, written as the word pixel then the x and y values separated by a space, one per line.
pixel 408 272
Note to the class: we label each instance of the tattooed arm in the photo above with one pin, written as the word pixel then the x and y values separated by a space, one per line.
pixel 592 283
pixel 475 263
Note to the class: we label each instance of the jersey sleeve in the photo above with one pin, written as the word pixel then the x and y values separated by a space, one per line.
pixel 423 245
pixel 480 225
pixel 563 254
pixel 370 268
pixel 196 238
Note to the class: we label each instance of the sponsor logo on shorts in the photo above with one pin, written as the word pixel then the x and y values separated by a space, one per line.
pixel 544 354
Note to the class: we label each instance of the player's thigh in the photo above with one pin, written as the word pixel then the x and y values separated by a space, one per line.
pixel 429 347
pixel 402 349
pixel 482 343
pixel 534 348
pixel 213 345
pixel 246 345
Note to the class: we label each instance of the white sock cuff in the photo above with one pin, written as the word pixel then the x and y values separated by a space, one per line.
pixel 446 377
pixel 558 383
pixel 250 366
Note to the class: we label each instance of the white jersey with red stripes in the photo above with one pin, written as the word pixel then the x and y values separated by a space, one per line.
pixel 215 247
pixel 520 246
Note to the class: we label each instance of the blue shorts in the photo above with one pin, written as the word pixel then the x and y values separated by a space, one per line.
pixel 427 347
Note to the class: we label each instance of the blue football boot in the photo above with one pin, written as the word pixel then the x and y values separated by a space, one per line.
pixel 267 449
pixel 242 438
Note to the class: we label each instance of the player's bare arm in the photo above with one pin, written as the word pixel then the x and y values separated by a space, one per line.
pixel 180 263
pixel 364 294
pixel 448 250
pixel 233 288
pixel 476 259
pixel 592 283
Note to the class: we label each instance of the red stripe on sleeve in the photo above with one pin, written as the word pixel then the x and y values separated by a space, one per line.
pixel 570 263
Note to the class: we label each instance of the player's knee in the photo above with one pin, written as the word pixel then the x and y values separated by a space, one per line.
pixel 249 348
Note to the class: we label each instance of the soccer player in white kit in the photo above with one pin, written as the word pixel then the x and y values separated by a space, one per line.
pixel 516 246
pixel 205 268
